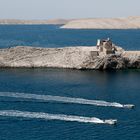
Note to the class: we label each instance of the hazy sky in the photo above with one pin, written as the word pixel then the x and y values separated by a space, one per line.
pixel 49 9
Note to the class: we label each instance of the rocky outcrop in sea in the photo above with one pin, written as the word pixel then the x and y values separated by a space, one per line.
pixel 68 57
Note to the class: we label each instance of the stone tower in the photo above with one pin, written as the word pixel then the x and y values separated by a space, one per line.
pixel 105 46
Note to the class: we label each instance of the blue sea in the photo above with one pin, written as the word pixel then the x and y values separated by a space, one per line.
pixel 122 86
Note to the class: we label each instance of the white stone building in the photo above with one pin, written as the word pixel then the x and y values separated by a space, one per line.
pixel 105 46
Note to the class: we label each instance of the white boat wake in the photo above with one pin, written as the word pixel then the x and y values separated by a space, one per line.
pixel 46 116
pixel 48 98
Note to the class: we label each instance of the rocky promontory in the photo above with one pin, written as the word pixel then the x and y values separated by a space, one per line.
pixel 104 23
pixel 68 57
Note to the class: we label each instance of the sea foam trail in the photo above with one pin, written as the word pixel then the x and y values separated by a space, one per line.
pixel 46 116
pixel 64 99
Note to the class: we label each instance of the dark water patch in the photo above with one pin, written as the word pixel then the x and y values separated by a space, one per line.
pixel 52 36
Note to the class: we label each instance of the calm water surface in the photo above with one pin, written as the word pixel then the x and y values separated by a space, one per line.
pixel 113 86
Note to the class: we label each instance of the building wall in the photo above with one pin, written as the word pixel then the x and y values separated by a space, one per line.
pixel 94 53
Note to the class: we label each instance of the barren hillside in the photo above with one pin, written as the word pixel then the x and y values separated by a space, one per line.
pixel 105 23
pixel 16 21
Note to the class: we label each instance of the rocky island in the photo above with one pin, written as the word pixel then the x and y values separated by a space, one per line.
pixel 105 55
pixel 104 23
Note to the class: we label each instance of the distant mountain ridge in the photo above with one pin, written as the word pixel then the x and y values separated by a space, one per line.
pixel 18 21
pixel 89 23
pixel 104 23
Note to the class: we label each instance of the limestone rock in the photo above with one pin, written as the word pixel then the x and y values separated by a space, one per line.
pixel 68 57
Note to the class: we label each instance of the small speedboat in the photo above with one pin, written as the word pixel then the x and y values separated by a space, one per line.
pixel 111 122
pixel 129 106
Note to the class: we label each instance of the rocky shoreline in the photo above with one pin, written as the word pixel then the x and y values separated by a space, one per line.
pixel 68 57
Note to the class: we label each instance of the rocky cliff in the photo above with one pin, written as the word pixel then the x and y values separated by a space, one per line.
pixel 69 57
